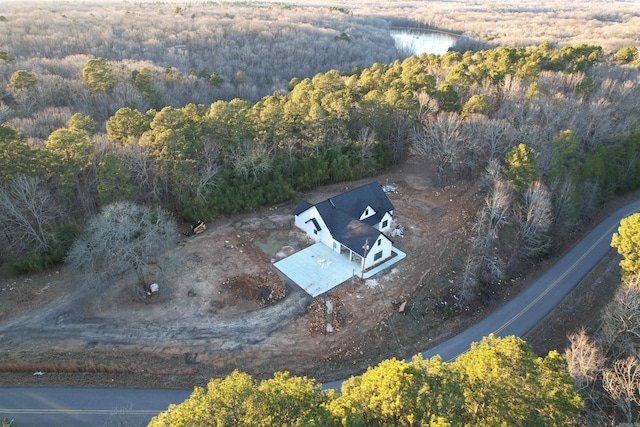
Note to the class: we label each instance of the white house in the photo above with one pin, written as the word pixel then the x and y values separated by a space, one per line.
pixel 352 223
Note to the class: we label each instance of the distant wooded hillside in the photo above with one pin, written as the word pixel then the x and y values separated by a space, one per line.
pixel 217 108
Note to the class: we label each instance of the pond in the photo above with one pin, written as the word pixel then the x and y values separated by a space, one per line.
pixel 417 41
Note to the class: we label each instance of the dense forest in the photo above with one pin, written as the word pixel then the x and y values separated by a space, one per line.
pixel 213 109
pixel 559 125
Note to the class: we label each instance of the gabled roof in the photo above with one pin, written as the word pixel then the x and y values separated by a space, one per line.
pixel 351 232
pixel 302 206
pixel 341 214
pixel 355 201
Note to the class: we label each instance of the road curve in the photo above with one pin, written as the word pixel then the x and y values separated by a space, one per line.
pixel 94 407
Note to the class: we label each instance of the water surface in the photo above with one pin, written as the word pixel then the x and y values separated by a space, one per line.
pixel 423 41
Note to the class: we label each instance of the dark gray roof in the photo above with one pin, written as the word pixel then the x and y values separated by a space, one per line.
pixel 302 206
pixel 351 232
pixel 341 214
pixel 356 200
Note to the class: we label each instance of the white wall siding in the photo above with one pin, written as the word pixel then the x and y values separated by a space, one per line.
pixel 303 221
pixel 387 217
pixel 383 248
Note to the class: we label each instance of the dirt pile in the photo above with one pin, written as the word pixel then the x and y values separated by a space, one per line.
pixel 265 288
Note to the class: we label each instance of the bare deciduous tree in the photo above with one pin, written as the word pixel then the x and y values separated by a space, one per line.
pixel 123 237
pixel 5 112
pixel 619 335
pixel 535 221
pixel 584 360
pixel 622 382
pixel 564 200
pixel 483 262
pixel 591 197
pixel 250 158
pixel 210 166
pixel 468 281
pixel 492 218
pixel 137 158
pixel 585 363
pixel 607 367
pixel 492 173
pixel 496 135
pixel 27 214
pixel 366 141
pixel 441 140
pixel 399 135
pixel 428 105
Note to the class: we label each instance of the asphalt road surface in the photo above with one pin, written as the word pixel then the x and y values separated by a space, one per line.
pixel 127 407
pixel 44 407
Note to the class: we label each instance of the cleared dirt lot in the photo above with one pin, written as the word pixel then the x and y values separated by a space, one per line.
pixel 219 309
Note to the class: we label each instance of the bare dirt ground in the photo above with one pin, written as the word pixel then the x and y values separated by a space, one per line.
pixel 221 305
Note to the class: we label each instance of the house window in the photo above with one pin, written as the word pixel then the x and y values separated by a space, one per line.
pixel 316 226
pixel 379 240
pixel 335 245
pixel 377 256
pixel 366 211
pixel 385 223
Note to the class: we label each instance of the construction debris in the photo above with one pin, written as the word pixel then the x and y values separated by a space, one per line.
pixel 318 314
pixel 402 307
pixel 397 229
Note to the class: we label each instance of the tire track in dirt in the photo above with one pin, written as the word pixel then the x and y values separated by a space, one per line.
pixel 58 322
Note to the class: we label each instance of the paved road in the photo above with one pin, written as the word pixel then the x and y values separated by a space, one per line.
pixel 528 308
pixel 35 406
pixel 95 407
